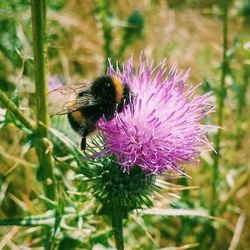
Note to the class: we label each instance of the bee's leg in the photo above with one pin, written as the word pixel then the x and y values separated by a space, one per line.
pixel 85 130
pixel 83 143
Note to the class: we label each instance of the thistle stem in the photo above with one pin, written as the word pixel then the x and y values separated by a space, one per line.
pixel 103 17
pixel 221 102
pixel 116 217
pixel 38 9
pixel 241 104
pixel 242 180
pixel 11 106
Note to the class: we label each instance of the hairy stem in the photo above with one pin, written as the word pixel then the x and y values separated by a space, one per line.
pixel 220 112
pixel 38 9
pixel 116 217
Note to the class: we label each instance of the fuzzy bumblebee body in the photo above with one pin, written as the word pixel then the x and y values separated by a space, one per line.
pixel 103 97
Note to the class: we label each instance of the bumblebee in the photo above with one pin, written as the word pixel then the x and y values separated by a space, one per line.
pixel 87 102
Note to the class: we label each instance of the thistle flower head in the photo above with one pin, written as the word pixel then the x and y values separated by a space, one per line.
pixel 160 129
pixel 54 82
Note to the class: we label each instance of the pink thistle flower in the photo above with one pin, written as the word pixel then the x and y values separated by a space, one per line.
pixel 54 82
pixel 160 129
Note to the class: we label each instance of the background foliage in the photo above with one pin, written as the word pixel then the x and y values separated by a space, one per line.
pixel 80 37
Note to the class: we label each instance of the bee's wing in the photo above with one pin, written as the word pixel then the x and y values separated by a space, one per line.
pixel 65 100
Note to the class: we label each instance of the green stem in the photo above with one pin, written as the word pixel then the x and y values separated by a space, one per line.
pixel 103 15
pixel 117 216
pixel 38 8
pixel 241 104
pixel 10 105
pixel 220 112
pixel 243 179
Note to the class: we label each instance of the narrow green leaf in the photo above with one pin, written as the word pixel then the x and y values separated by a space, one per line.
pixel 30 221
pixel 176 212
